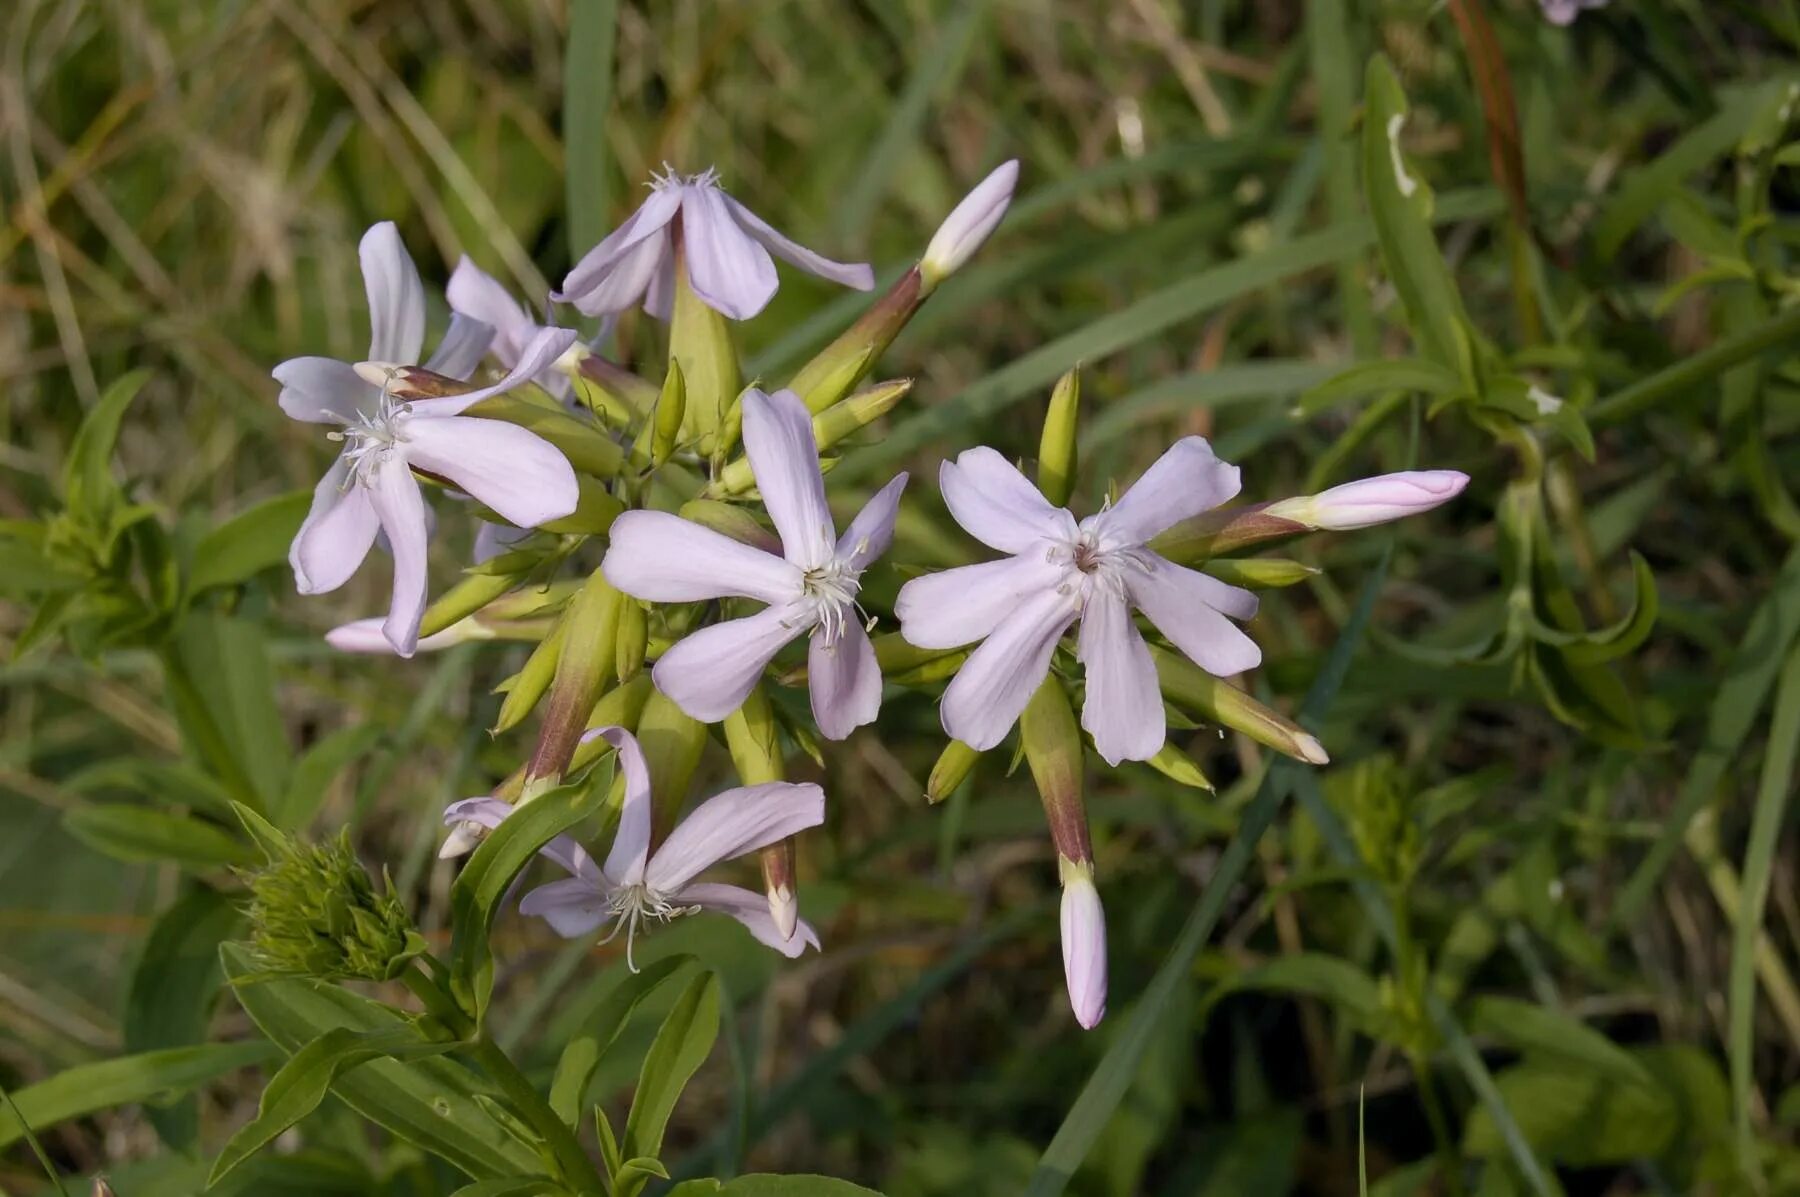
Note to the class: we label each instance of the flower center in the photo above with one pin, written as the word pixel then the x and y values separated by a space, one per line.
pixel 670 177
pixel 369 437
pixel 631 905
pixel 832 591
pixel 1098 566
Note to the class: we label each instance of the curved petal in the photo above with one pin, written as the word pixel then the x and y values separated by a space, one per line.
pixel 364 636
pixel 1190 609
pixel 959 606
pixel 475 292
pixel 323 390
pixel 631 842
pixel 784 457
pixel 540 353
pixel 512 470
pixel 709 674
pixel 659 296
pixel 752 910
pixel 990 691
pixel 851 274
pixel 870 533
pixel 336 536
pixel 401 508
pixel 732 273
pixel 626 282
pixel 572 907
pixel 1123 709
pixel 1084 951
pixel 730 824
pixel 645 227
pixel 662 558
pixel 845 682
pixel 1186 480
pixel 465 343
pixel 997 506
pixel 396 296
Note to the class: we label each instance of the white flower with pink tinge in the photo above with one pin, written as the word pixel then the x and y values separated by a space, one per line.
pixel 636 887
pixel 370 488
pixel 1061 570
pixel 810 589
pixel 725 248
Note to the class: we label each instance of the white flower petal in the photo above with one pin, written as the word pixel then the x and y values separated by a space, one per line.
pixel 959 606
pixel 323 390
pixel 709 674
pixel 336 535
pixel 731 824
pixel 465 343
pixel 752 910
pixel 971 222
pixel 475 292
pixel 1190 609
pixel 784 457
pixel 870 533
pixel 1123 708
pixel 512 470
pixel 573 907
pixel 594 284
pixel 997 506
pixel 851 274
pixel 364 637
pixel 631 843
pixel 1185 481
pixel 540 354
pixel 731 272
pixel 662 558
pixel 659 296
pixel 845 682
pixel 989 692
pixel 401 508
pixel 396 297
pixel 1084 950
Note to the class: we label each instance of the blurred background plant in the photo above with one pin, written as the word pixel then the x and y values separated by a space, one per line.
pixel 1532 931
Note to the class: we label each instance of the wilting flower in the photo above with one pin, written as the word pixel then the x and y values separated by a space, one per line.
pixel 370 487
pixel 475 293
pixel 1564 12
pixel 970 223
pixel 635 885
pixel 811 588
pixel 724 245
pixel 1060 570
pixel 1370 501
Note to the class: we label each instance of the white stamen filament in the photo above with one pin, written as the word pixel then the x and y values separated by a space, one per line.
pixel 630 905
pixel 832 589
pixel 369 438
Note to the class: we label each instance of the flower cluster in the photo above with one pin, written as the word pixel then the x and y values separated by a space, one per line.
pixel 699 589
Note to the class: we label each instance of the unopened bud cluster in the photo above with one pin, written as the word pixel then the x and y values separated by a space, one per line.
pixel 314 912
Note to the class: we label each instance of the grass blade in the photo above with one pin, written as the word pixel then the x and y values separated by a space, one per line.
pixel 587 92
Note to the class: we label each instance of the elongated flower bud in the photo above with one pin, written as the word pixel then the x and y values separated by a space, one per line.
pixel 1223 530
pixel 829 427
pixel 621 706
pixel 1056 447
pixel 1052 743
pixel 671 405
pixel 477 589
pixel 839 366
pixel 633 640
pixel 583 663
pixel 953 767
pixel 1370 501
pixel 1083 942
pixel 1192 688
pixel 526 687
pixel 969 225
pixel 700 343
pixel 780 885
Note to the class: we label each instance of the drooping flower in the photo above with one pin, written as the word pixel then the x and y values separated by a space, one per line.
pixel 1095 570
pixel 370 488
pixel 475 293
pixel 1370 501
pixel 810 588
pixel 1564 12
pixel 637 886
pixel 725 246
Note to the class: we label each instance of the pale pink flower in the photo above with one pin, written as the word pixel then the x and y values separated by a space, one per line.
pixel 725 246
pixel 370 489
pixel 1061 571
pixel 810 589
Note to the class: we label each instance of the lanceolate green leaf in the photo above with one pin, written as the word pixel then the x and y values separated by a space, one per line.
pixel 88 486
pixel 138 833
pixel 145 1077
pixel 248 543
pixel 223 694
pixel 433 1104
pixel 681 1046
pixel 581 1058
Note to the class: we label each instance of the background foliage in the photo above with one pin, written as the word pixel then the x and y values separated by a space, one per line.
pixel 1519 920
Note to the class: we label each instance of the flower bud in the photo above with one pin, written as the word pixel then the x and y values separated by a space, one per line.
pixel 842 364
pixel 1370 501
pixel 476 590
pixel 366 636
pixel 614 393
pixel 1223 530
pixel 1052 743
pixel 829 427
pixel 524 688
pixel 1260 573
pixel 622 706
pixel 1192 688
pixel 315 913
pixel 583 663
pixel 1083 942
pixel 633 640
pixel 780 886
pixel 750 735
pixel 671 406
pixel 969 224
pixel 1056 447
pixel 1180 768
pixel 953 767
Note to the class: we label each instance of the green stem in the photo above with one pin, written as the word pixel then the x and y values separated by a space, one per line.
pixel 1691 372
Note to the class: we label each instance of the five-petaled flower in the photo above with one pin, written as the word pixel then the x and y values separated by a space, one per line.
pixel 1095 570
pixel 725 249
pixel 370 488
pixel 637 886
pixel 810 588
